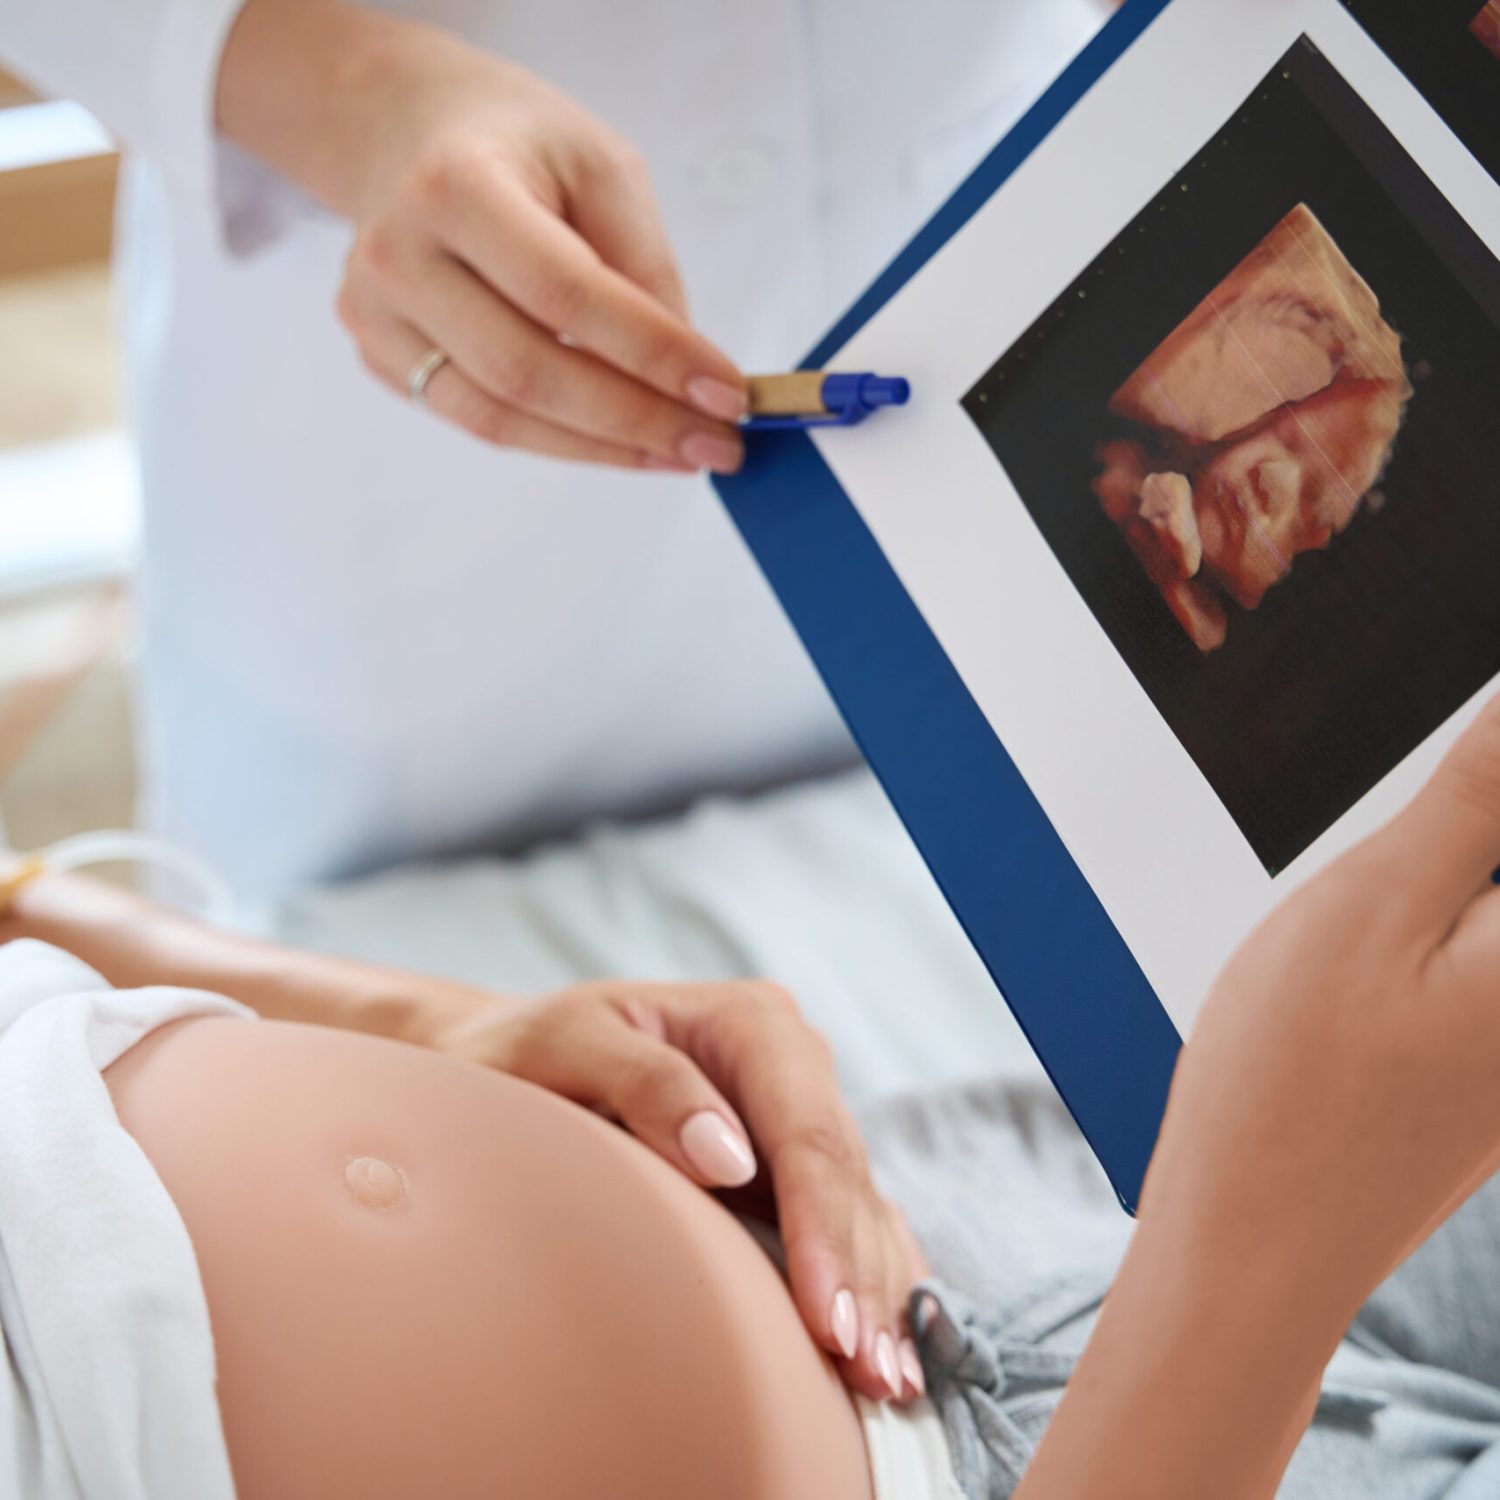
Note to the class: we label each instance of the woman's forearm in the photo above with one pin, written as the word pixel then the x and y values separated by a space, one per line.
pixel 1201 1375
pixel 132 941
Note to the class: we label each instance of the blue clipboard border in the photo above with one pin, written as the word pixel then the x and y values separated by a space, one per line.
pixel 1062 966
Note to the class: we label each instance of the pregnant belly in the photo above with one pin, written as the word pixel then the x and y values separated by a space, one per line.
pixel 428 1279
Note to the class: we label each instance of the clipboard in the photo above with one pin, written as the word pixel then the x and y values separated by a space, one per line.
pixel 1026 907
pixel 1209 540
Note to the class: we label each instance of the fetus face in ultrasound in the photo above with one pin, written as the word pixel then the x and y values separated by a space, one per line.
pixel 1260 424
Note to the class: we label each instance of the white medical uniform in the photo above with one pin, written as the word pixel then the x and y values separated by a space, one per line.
pixel 368 636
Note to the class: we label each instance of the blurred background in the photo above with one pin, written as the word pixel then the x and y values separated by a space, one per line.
pixel 69 512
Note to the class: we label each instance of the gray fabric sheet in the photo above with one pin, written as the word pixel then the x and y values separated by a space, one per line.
pixel 1024 1234
pixel 816 886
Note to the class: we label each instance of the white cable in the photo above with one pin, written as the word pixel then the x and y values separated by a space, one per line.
pixel 107 845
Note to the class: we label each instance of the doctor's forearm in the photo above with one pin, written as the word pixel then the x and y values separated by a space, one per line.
pixel 300 85
pixel 134 942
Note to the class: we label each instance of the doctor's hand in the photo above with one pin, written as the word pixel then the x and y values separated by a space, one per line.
pixel 497 224
pixel 1337 1099
pixel 729 1084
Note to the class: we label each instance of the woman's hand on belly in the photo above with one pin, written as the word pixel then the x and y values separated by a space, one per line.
pixel 698 1072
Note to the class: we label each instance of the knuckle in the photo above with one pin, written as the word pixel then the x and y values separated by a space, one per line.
pixel 832 1242
pixel 659 274
pixel 561 301
pixel 368 361
pixel 621 155
pixel 440 179
pixel 821 1142
pixel 659 359
pixel 346 309
pixel 512 378
pixel 377 253
pixel 633 1008
pixel 652 1077
pixel 528 1044
pixel 491 423
pixel 820 1046
pixel 870 1284
pixel 603 154
pixel 587 1002
pixel 427 186
pixel 775 998
pixel 555 1018
pixel 646 419
pixel 892 1223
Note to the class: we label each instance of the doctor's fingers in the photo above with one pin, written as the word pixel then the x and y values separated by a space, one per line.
pixel 551 273
pixel 392 349
pixel 523 365
pixel 612 206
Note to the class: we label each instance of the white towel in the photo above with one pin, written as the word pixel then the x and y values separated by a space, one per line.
pixel 107 1391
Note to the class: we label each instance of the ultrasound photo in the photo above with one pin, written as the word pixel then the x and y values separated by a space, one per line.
pixel 1259 433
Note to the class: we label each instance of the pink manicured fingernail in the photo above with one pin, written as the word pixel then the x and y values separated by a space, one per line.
pixel 716 398
pixel 887 1363
pixel 844 1321
pixel 706 450
pixel 911 1367
pixel 718 1154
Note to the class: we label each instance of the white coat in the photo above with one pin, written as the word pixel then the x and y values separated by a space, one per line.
pixel 368 636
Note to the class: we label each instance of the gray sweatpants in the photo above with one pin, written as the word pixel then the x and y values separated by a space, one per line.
pixel 1024 1234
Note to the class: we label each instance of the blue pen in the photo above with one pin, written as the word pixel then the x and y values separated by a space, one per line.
pixel 815 398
